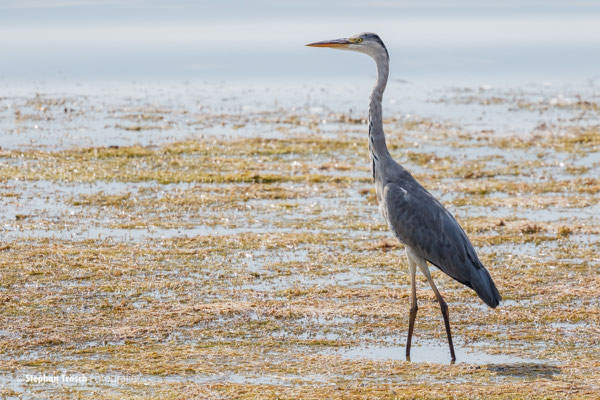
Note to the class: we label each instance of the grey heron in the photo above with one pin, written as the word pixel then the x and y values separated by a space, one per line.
pixel 419 221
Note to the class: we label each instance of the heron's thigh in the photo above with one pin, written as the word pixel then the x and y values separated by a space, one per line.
pixel 420 261
pixel 412 264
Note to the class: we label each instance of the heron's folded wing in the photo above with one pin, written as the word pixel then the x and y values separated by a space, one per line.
pixel 421 222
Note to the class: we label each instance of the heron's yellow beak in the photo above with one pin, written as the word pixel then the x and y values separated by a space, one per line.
pixel 331 43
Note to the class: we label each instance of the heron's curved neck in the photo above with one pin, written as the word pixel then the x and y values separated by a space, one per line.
pixel 377 144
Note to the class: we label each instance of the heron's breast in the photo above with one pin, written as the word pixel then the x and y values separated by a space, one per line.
pixel 380 199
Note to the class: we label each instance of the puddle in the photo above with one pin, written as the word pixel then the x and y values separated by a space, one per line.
pixel 348 279
pixel 549 214
pixel 569 326
pixel 429 352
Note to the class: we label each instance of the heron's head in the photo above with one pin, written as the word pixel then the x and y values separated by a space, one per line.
pixel 368 43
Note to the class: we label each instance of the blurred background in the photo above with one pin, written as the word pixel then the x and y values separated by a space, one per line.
pixel 461 41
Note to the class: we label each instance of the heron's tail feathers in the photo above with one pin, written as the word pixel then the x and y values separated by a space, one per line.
pixel 485 288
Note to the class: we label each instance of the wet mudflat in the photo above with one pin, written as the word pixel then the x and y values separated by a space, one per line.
pixel 174 248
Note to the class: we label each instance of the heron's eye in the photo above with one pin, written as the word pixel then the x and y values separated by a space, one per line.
pixel 358 40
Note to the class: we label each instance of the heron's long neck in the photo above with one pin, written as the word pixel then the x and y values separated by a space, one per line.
pixel 377 144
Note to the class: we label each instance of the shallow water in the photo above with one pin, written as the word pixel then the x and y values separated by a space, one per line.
pixel 246 282
pixel 427 351
pixel 154 113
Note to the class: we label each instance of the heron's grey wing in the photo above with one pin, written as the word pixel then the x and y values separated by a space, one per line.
pixel 421 222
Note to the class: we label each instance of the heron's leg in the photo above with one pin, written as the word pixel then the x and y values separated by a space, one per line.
pixel 443 306
pixel 412 265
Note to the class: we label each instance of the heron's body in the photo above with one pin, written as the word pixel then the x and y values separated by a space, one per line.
pixel 417 219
